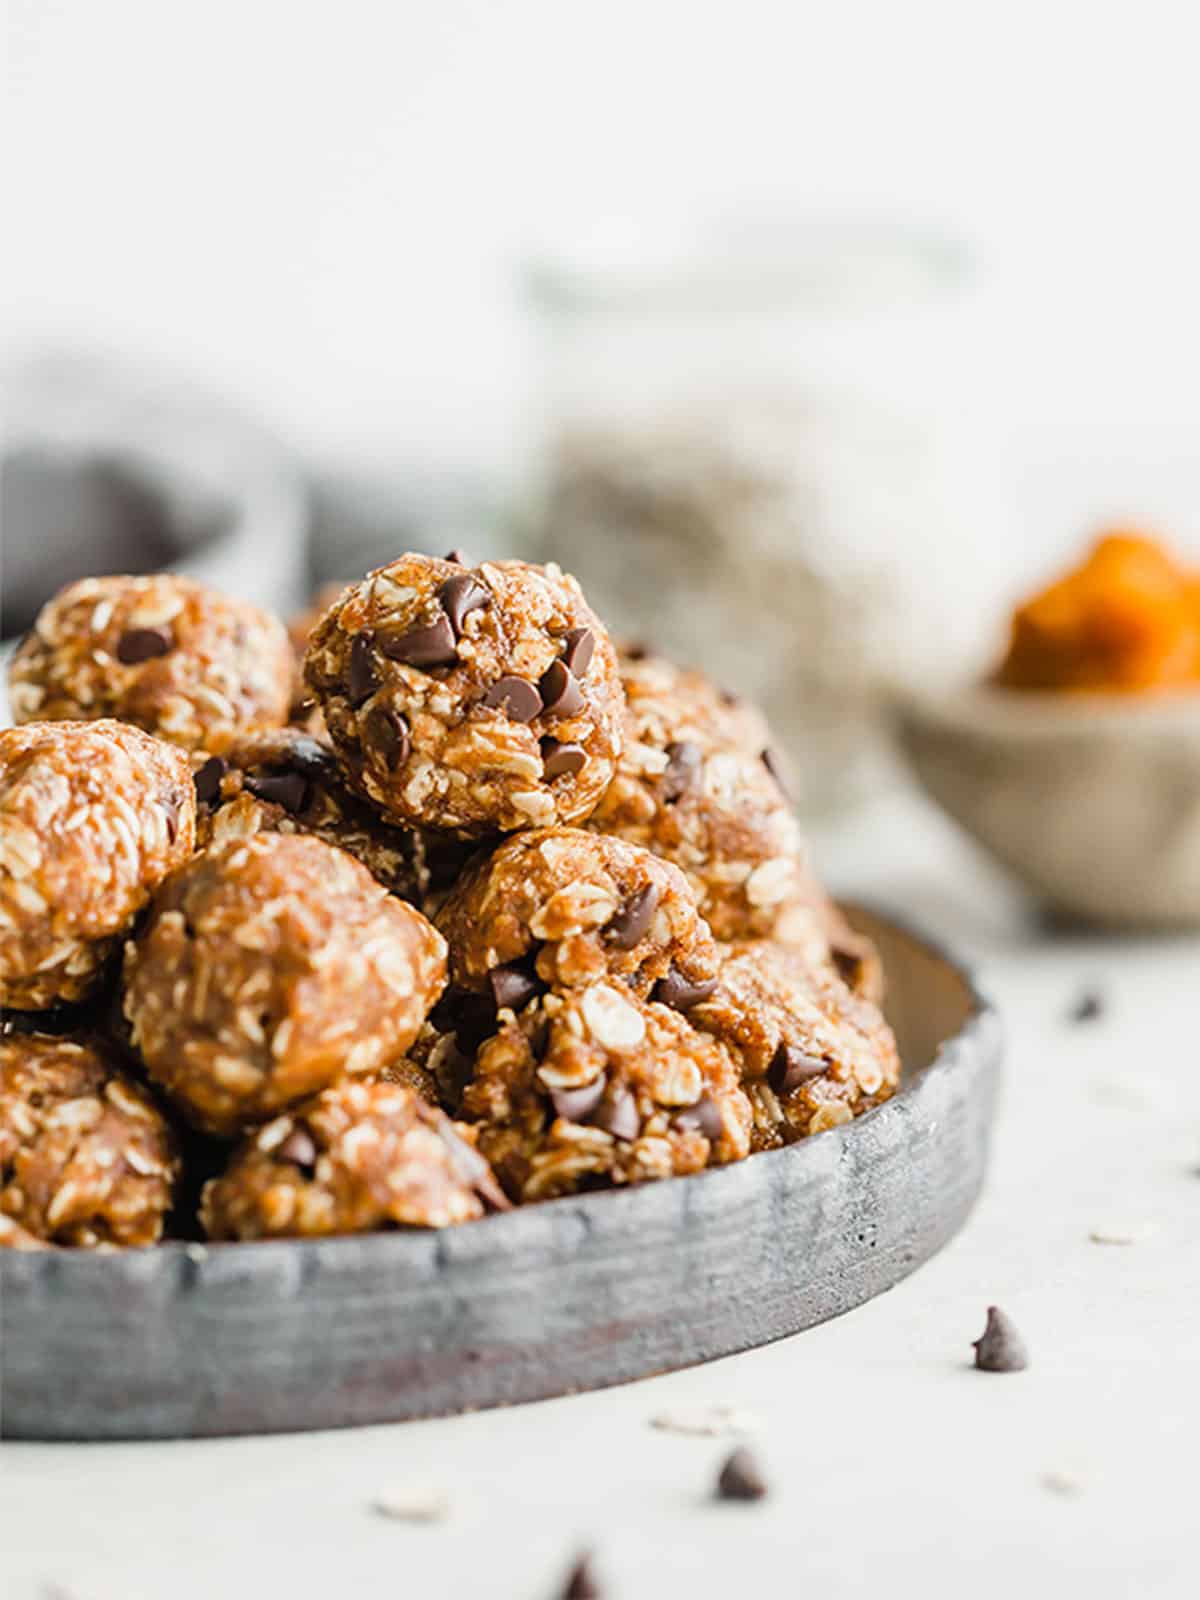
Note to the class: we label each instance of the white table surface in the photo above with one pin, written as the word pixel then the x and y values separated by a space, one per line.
pixel 895 1467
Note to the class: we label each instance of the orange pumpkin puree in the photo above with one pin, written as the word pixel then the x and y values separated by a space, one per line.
pixel 1127 620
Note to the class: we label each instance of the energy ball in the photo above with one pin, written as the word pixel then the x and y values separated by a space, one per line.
pixel 168 654
pixel 86 1158
pixel 471 700
pixel 286 781
pixel 813 1055
pixel 355 1158
pixel 697 783
pixel 593 1085
pixel 562 907
pixel 267 968
pixel 690 698
pixel 289 781
pixel 93 816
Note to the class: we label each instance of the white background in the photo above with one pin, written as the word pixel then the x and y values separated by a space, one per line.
pixel 321 206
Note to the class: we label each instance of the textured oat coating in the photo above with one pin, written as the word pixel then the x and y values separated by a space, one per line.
pixel 692 785
pixel 267 968
pixel 288 781
pixel 168 654
pixel 355 1158
pixel 14 1237
pixel 469 700
pixel 92 818
pixel 657 688
pixel 86 1158
pixel 594 1086
pixel 812 1053
pixel 574 906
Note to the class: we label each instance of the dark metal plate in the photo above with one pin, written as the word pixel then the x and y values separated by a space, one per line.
pixel 189 1340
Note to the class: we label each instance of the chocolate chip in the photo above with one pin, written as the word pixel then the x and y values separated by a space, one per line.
pixel 171 812
pixel 680 993
pixel 1089 1007
pixel 683 768
pixel 791 1067
pixel 741 1478
pixel 363 678
pixel 143 644
pixel 286 789
pixel 579 645
pixel 470 1017
pixel 576 1105
pixel 635 650
pixel 207 780
pixel 430 646
pixel 704 1117
pixel 582 1582
pixel 388 732
pixel 561 760
pixel 310 757
pixel 630 924
pixel 299 1148
pixel 513 985
pixel 459 596
pixel 516 697
pixel 560 691
pixel 458 557
pixel 778 768
pixel 619 1117
pixel 1000 1348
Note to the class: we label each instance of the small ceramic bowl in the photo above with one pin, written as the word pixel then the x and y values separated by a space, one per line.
pixel 1092 801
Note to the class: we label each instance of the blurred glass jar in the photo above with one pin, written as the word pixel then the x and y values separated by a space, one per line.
pixel 754 458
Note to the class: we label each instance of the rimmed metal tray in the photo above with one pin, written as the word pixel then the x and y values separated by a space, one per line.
pixel 191 1340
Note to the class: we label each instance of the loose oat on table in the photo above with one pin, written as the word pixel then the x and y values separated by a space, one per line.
pixel 168 654
pixel 86 1158
pixel 267 968
pixel 596 1086
pixel 469 699
pixel 812 1053
pixel 355 1158
pixel 92 818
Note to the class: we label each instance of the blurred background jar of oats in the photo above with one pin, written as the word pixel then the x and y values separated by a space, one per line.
pixel 761 451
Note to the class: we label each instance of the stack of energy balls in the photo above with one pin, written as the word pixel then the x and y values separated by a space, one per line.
pixel 468 908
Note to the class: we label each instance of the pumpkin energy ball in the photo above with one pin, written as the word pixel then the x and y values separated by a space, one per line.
pixel 355 1158
pixel 268 967
pixel 564 906
pixel 93 815
pixel 813 1055
pixel 593 1085
pixel 86 1158
pixel 166 653
pixel 470 700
